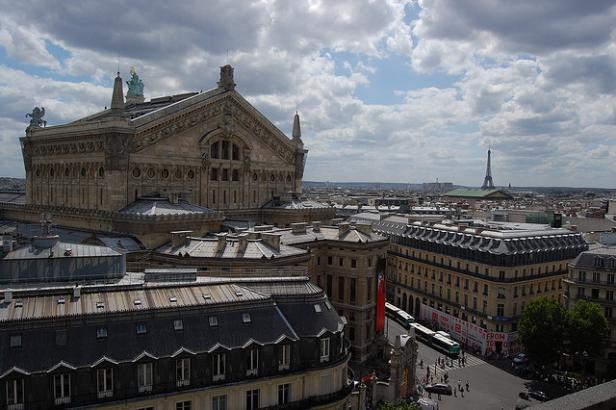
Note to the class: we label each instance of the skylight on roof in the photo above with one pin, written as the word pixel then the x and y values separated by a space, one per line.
pixel 207 296
pixel 317 308
pixel 213 321
pixel 239 293
pixel 173 299
pixel 246 318
pixel 178 325
pixel 137 302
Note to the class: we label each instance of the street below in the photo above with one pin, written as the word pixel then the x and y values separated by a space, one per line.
pixel 489 386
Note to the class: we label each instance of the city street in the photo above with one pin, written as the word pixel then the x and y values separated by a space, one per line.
pixel 490 387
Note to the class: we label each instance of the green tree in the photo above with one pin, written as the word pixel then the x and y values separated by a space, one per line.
pixel 587 328
pixel 542 330
pixel 401 406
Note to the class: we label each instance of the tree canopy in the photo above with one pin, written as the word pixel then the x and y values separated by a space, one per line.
pixel 587 328
pixel 547 329
pixel 542 329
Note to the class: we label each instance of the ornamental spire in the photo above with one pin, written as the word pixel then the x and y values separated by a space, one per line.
pixel 297 133
pixel 117 99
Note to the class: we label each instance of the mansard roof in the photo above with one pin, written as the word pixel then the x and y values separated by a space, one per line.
pixel 496 238
pixel 280 309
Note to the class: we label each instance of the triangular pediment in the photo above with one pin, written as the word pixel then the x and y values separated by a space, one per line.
pixel 207 114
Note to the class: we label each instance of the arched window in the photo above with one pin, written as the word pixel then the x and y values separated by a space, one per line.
pixel 101 172
pixel 191 174
pixel 136 172
pixel 255 176
pixel 165 173
pixel 235 156
pixel 67 172
pixel 83 172
pixel 225 150
pixel 51 172
pixel 214 174
pixel 288 179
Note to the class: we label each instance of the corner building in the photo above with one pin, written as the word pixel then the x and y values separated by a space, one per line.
pixel 219 344
pixel 345 262
pixel 592 277
pixel 474 280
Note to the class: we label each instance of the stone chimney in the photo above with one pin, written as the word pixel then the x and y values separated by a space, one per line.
pixel 222 242
pixel 298 227
pixel 180 238
pixel 271 239
pixel 364 228
pixel 242 242
pixel 316 226
pixel 343 228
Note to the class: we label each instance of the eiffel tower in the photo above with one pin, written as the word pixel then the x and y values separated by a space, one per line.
pixel 487 181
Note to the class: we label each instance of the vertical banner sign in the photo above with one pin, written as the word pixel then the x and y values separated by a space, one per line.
pixel 380 303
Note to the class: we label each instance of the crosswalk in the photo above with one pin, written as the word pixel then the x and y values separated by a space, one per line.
pixel 440 371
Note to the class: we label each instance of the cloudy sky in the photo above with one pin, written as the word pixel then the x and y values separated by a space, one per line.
pixel 387 91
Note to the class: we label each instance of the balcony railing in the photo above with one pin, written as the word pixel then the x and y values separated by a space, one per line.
pixel 182 382
pixel 62 400
pixel 320 400
pixel 105 394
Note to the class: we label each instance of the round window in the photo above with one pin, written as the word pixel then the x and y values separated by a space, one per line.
pixel 178 174
pixel 191 174
pixel 165 173
pixel 136 172
pixel 151 173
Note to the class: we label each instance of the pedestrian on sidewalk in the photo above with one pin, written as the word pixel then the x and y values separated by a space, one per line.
pixel 455 393
pixel 467 389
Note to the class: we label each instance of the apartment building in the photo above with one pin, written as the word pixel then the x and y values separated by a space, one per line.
pixel 592 276
pixel 473 279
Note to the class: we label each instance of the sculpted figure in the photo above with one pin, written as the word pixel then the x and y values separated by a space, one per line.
pixel 36 116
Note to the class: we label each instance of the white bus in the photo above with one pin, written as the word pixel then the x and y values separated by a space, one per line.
pixel 423 333
pixel 445 345
pixel 398 315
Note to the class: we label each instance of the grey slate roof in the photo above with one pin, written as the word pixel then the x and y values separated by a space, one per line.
pixel 497 238
pixel 330 233
pixel 162 206
pixel 587 259
pixel 602 396
pixel 208 248
pixel 279 308
pixel 59 250
pixel 295 203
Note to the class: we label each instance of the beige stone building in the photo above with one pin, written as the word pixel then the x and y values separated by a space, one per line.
pixel 345 262
pixel 592 277
pixel 474 280
pixel 209 154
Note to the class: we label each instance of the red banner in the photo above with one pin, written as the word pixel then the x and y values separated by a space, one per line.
pixel 380 304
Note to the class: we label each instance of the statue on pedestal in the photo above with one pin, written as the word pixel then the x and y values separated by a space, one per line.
pixel 36 118
pixel 135 88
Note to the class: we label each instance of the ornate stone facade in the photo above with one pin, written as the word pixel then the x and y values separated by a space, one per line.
pixel 213 149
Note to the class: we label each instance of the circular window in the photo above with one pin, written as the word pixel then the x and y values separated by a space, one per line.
pixel 136 172
pixel 165 173
pixel 191 174
pixel 151 173
pixel 178 174
pixel 101 172
pixel 83 172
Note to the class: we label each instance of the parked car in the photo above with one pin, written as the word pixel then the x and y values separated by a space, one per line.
pixel 520 358
pixel 539 395
pixel 439 388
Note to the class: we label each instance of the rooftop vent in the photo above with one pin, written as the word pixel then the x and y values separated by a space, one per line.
pixel 8 296
pixel 68 252
pixel 137 302
pixel 207 297
pixel 298 227
pixel 173 299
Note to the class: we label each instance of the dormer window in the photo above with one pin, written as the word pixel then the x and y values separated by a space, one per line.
pixel 141 329
pixel 317 308
pixel 284 357
pixel 178 325
pixel 252 362
pixel 213 321
pixel 62 388
pixel 324 350
pixel 101 333
pixel 246 318
pixel 15 394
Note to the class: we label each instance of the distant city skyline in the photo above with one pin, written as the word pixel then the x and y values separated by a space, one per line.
pixel 387 91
